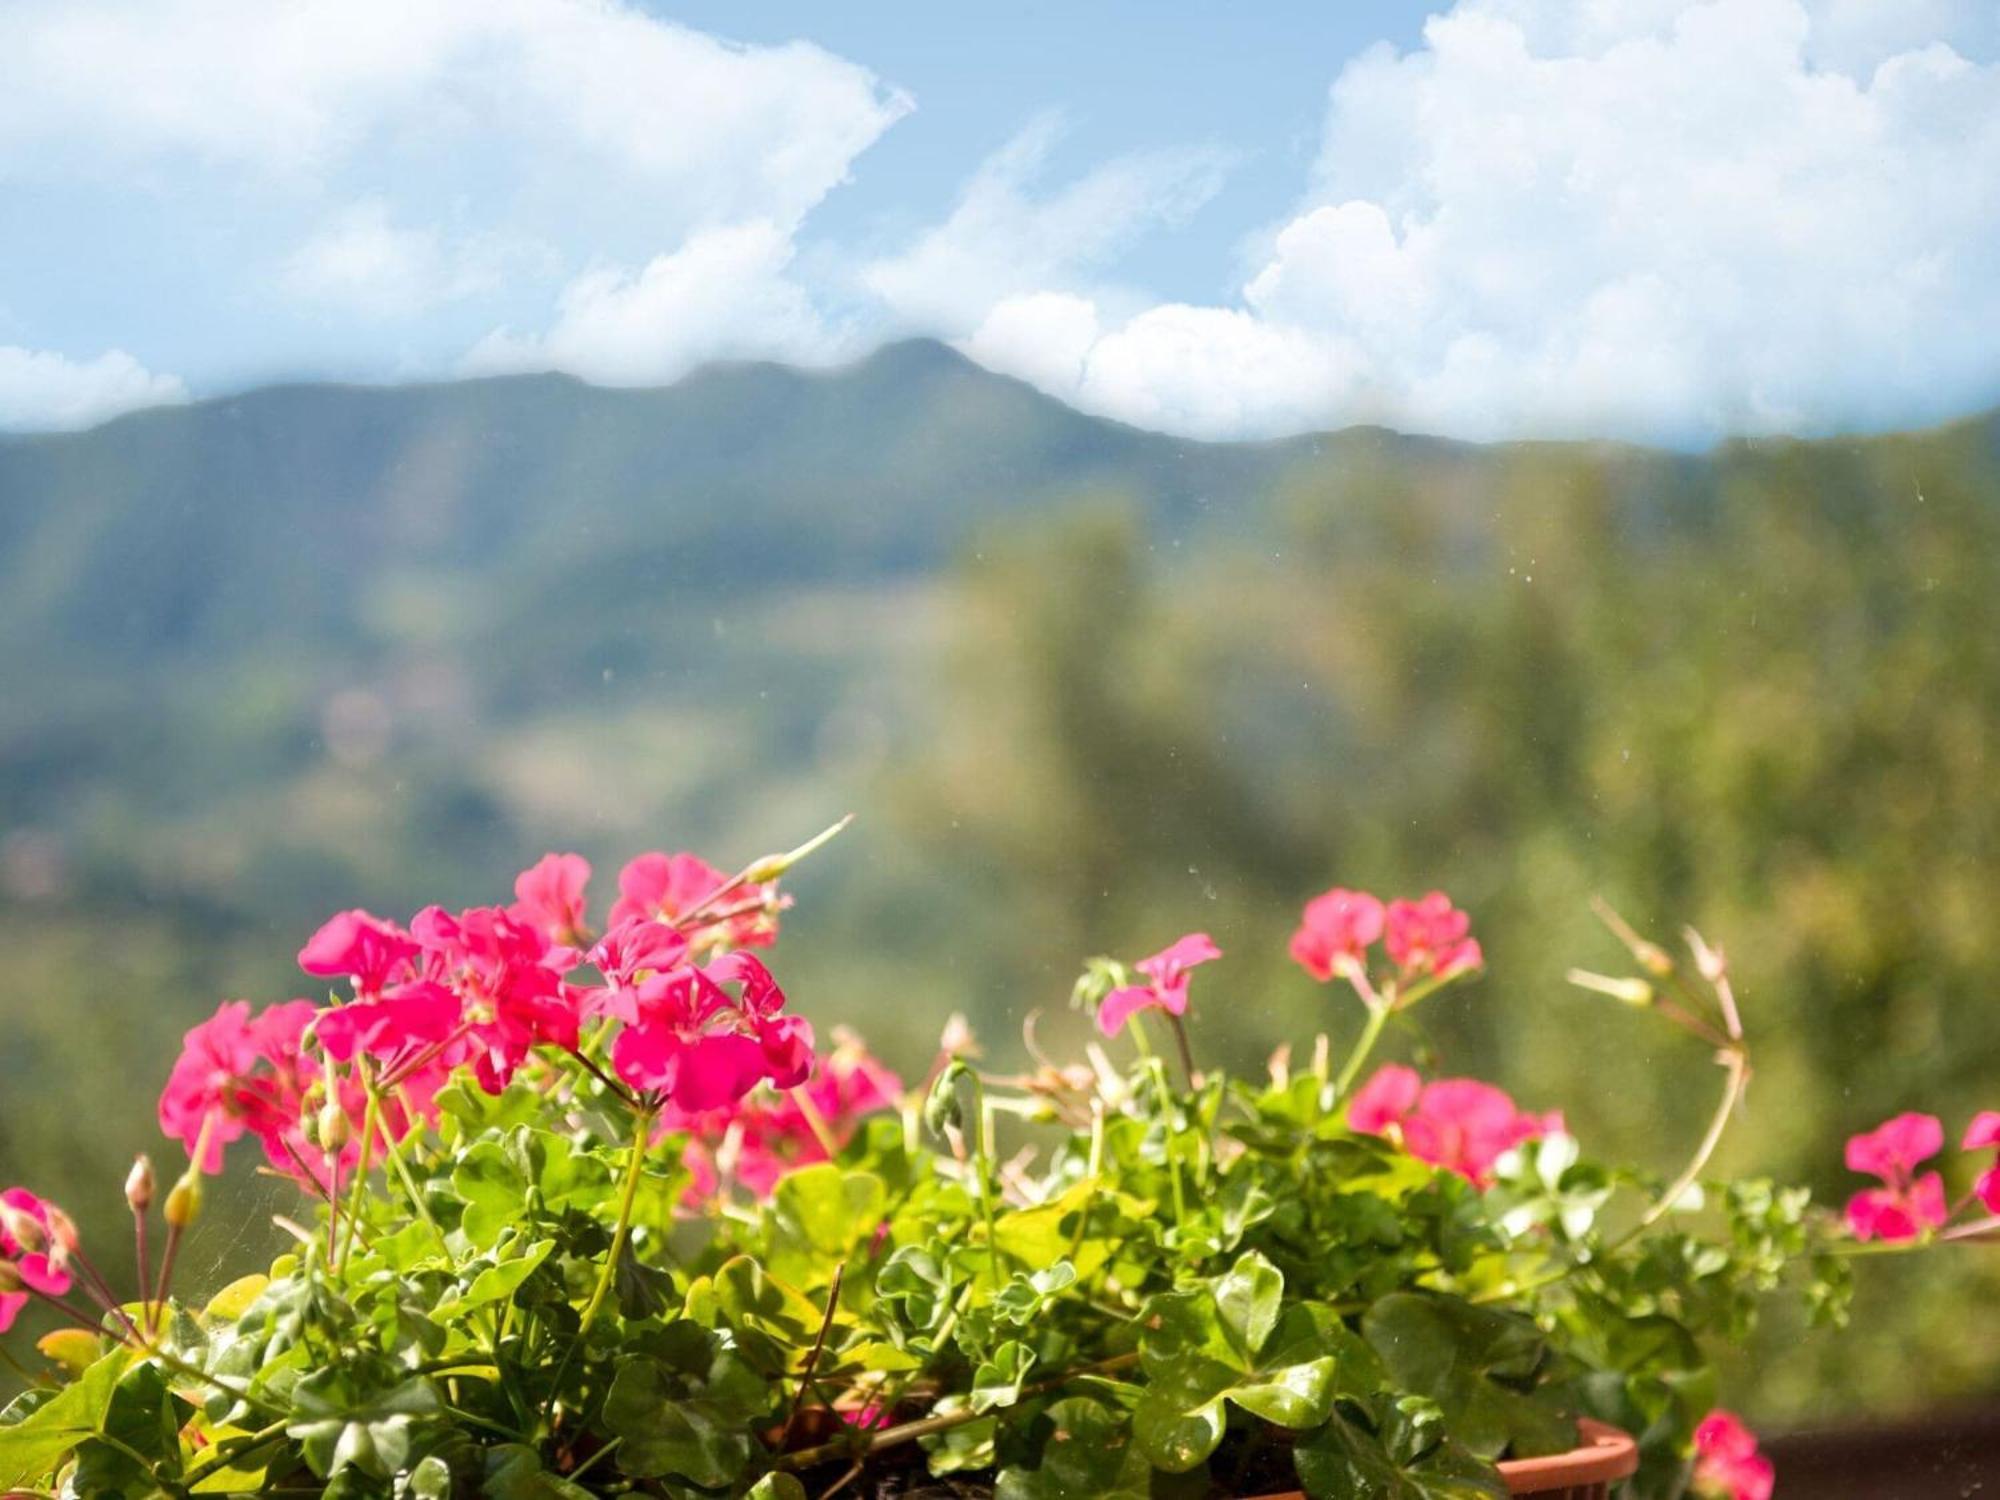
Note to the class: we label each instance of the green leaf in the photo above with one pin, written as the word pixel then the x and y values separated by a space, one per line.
pixel 777 1487
pixel 339 1423
pixel 1087 1453
pixel 514 1472
pixel 493 1189
pixel 821 1213
pixel 1345 1461
pixel 1195 1358
pixel 1247 1298
pixel 917 1286
pixel 997 1380
pixel 1478 1364
pixel 141 1422
pixel 688 1414
pixel 32 1447
pixel 501 1280
pixel 1024 1297
pixel 967 1448
pixel 430 1480
pixel 752 1297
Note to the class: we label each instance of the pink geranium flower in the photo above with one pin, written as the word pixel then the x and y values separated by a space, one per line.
pixel 1981 1135
pixel 1727 1463
pixel 1335 932
pixel 403 1021
pixel 770 1133
pixel 667 887
pixel 45 1268
pixel 1385 1099
pixel 1429 937
pixel 549 895
pixel 1460 1124
pixel 1166 986
pixel 508 977
pixel 1906 1204
pixel 238 1073
pixel 359 947
pixel 688 1039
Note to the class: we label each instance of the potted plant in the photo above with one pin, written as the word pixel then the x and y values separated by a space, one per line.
pixel 586 1209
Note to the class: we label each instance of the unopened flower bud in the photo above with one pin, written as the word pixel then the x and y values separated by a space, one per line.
pixel 771 866
pixel 139 1184
pixel 1654 959
pixel 10 1279
pixel 957 1039
pixel 183 1205
pixel 62 1228
pixel 1626 991
pixel 1709 962
pixel 334 1129
pixel 24 1229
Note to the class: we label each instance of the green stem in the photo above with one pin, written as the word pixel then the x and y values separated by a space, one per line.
pixel 1179 1029
pixel 1738 1068
pixel 357 1189
pixel 392 1152
pixel 1378 1017
pixel 982 1157
pixel 635 1166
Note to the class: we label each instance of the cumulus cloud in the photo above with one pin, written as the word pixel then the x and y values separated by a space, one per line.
pixel 1646 218
pixel 391 158
pixel 725 293
pixel 1004 238
pixel 42 391
pixel 716 131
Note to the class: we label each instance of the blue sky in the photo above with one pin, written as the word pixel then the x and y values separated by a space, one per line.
pixel 1654 219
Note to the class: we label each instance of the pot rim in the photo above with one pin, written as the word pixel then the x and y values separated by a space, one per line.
pixel 1605 1454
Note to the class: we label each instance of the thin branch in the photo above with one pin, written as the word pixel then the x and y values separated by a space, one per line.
pixel 812 1359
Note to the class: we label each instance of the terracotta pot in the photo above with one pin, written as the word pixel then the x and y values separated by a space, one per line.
pixel 1584 1473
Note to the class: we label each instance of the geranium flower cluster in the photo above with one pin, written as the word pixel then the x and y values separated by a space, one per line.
pixel 1460 1124
pixel 1426 940
pixel 769 1134
pixel 1727 1464
pixel 686 1017
pixel 1911 1203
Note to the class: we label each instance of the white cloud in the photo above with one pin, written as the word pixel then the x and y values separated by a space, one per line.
pixel 363 262
pixel 391 158
pixel 1628 217
pixel 1003 239
pixel 725 293
pixel 40 391
pixel 715 131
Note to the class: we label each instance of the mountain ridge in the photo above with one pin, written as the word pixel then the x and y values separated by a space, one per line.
pixel 930 357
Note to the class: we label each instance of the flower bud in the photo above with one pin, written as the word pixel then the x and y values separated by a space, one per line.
pixel 62 1228
pixel 1653 959
pixel 1626 991
pixel 957 1039
pixel 139 1184
pixel 334 1128
pixel 24 1229
pixel 10 1279
pixel 771 866
pixel 1709 962
pixel 183 1202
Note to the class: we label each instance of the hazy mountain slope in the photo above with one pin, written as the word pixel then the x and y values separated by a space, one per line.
pixel 277 511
